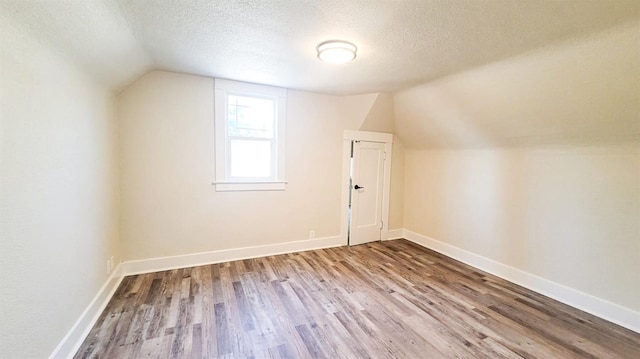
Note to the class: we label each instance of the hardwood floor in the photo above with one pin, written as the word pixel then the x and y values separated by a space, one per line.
pixel 381 300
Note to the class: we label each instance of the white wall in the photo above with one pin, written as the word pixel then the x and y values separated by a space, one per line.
pixel 534 162
pixel 169 206
pixel 570 215
pixel 58 193
pixel 380 116
pixel 396 195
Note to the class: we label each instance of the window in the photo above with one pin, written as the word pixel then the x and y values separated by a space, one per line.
pixel 249 133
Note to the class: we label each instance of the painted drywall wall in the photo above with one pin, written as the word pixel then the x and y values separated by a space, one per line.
pixel 169 206
pixel 380 116
pixel 58 193
pixel 533 162
pixel 567 214
pixel 582 92
pixel 396 190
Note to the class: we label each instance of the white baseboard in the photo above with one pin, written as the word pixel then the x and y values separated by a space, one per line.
pixel 227 255
pixel 612 312
pixel 74 338
pixel 71 342
pixel 609 311
pixel 395 234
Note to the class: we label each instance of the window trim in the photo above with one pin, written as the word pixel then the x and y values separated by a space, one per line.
pixel 223 180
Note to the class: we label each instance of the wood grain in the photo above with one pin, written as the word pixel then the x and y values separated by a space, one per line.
pixel 380 300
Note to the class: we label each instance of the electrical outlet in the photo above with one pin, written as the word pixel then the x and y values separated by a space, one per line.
pixel 312 234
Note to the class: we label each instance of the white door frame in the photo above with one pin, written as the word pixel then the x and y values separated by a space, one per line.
pixel 349 136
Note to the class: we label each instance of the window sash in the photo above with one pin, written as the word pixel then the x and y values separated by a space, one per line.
pixel 224 180
pixel 273 165
pixel 273 160
pixel 272 99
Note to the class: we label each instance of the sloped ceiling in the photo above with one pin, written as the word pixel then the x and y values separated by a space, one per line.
pixel 401 43
pixel 578 93
pixel 90 33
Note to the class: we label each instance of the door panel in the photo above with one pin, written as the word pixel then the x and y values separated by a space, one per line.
pixel 366 192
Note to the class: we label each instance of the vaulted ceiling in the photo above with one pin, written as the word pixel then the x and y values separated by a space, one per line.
pixel 400 43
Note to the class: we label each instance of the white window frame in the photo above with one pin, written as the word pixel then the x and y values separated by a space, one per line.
pixel 223 179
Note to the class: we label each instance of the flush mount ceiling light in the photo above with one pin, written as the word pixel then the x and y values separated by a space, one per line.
pixel 337 52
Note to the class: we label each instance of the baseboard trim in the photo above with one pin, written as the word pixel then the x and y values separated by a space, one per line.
pixel 227 255
pixel 395 234
pixel 612 312
pixel 72 341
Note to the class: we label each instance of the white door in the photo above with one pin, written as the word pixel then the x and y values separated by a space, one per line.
pixel 366 192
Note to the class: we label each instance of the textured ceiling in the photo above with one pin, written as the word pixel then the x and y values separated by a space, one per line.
pixel 401 43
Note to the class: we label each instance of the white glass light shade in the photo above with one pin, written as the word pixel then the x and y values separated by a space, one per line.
pixel 337 52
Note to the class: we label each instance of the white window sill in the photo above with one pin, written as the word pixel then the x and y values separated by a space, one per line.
pixel 249 186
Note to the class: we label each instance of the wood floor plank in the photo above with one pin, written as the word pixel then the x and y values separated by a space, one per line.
pixel 390 299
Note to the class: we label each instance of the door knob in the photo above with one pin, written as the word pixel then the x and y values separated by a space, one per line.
pixel 357 187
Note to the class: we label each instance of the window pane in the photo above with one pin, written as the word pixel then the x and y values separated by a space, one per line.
pixel 250 116
pixel 250 158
